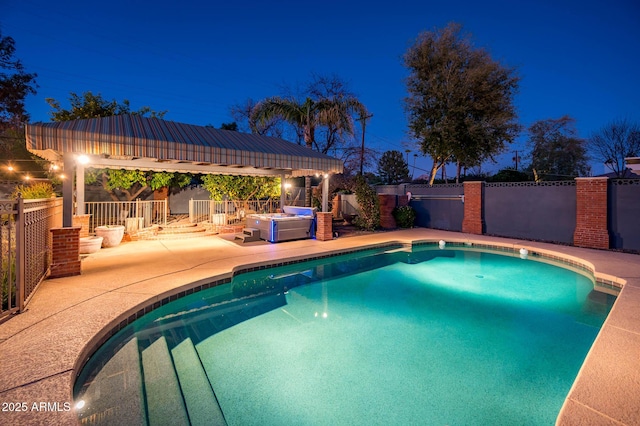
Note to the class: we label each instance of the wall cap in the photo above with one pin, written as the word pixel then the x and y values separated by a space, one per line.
pixel 66 228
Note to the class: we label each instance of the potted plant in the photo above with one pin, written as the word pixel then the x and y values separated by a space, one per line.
pixel 90 245
pixel 111 234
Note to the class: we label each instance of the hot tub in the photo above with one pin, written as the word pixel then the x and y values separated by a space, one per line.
pixel 294 223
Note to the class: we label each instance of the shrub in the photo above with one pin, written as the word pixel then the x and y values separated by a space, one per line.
pixel 405 216
pixel 369 214
pixel 8 282
pixel 33 191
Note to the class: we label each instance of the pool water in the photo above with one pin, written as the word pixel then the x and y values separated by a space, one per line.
pixel 424 337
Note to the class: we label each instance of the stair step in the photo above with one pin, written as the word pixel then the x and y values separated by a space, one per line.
pixel 181 229
pixel 164 398
pixel 201 402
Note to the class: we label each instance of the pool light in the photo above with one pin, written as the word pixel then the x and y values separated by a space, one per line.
pixel 442 244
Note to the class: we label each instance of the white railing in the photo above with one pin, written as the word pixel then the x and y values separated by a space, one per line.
pixel 132 214
pixel 228 212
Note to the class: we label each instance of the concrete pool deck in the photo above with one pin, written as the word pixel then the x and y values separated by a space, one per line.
pixel 41 349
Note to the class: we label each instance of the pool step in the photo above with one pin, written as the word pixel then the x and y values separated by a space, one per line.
pixel 164 398
pixel 201 402
pixel 115 395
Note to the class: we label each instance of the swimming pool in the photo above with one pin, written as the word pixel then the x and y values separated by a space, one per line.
pixel 377 337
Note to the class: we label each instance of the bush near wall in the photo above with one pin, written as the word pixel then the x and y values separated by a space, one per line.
pixel 405 216
pixel 369 214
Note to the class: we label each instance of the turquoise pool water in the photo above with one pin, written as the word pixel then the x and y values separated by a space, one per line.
pixel 423 337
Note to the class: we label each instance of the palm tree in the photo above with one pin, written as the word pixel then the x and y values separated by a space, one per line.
pixel 335 113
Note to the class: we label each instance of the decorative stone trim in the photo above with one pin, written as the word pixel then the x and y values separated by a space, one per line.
pixel 534 184
pixel 621 182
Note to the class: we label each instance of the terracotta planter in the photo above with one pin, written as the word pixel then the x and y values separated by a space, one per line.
pixel 111 234
pixel 90 245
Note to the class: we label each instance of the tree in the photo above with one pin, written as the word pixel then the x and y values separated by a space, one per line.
pixel 460 103
pixel 556 150
pixel 509 175
pixel 242 114
pixel 614 142
pixel 129 182
pixel 89 105
pixel 306 116
pixel 15 86
pixel 132 183
pixel 229 126
pixel 241 188
pixel 338 127
pixel 392 168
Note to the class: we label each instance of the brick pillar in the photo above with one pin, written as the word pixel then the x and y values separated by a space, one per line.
pixel 336 206
pixel 324 231
pixel 473 222
pixel 591 213
pixel 387 204
pixel 82 221
pixel 65 252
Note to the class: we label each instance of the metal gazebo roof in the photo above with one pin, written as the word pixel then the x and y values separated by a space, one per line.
pixel 136 142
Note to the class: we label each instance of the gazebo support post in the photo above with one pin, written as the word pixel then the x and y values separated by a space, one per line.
pixel 79 189
pixel 67 190
pixel 283 192
pixel 325 193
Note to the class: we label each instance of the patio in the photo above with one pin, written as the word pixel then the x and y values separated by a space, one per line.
pixel 41 349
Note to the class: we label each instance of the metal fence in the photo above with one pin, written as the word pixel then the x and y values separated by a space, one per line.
pixel 228 212
pixel 25 249
pixel 132 214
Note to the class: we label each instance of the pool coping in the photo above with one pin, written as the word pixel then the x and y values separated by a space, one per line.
pixel 593 396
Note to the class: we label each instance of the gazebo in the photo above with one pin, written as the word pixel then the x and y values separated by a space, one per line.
pixel 134 142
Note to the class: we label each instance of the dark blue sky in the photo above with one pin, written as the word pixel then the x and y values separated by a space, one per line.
pixel 197 58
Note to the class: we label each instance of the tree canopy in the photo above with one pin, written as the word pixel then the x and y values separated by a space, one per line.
pixel 15 85
pixel 393 168
pixel 556 150
pixel 89 105
pixel 460 101
pixel 614 142
pixel 327 105
pixel 242 188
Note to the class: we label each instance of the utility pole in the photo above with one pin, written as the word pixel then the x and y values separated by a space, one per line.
pixel 516 158
pixel 364 126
